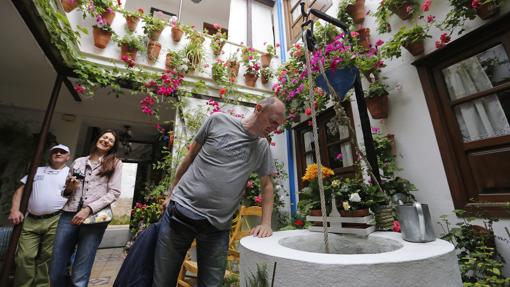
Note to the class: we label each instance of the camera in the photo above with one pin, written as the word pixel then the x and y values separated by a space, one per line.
pixel 79 175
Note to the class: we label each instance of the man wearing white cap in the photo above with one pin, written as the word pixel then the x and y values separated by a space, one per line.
pixel 35 244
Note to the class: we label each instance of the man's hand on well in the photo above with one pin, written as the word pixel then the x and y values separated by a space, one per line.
pixel 262 230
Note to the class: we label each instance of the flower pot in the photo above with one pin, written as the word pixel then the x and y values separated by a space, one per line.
pixel 250 79
pixel 176 34
pixel 154 35
pixel 316 212
pixel 69 5
pixel 108 17
pixel 265 60
pixel 378 106
pixel 485 11
pixel 153 49
pixel 169 62
pixel 383 218
pixel 342 80
pixel 101 37
pixel 355 213
pixel 415 48
pixel 364 37
pixel 403 11
pixel 233 70
pixel 132 22
pixel 128 51
pixel 357 11
pixel 264 80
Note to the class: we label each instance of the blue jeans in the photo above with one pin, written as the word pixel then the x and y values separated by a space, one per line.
pixel 86 239
pixel 176 233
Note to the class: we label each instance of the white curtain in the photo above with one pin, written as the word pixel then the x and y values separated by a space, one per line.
pixel 481 118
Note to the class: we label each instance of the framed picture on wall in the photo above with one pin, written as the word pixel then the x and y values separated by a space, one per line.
pixel 161 14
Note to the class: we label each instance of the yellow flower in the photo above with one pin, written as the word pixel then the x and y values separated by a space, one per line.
pixel 312 172
pixel 346 205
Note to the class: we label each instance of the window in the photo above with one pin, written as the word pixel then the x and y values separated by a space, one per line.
pixel 334 142
pixel 467 86
pixel 294 19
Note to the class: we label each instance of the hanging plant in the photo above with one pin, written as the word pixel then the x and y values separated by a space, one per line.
pixel 219 72
pixel 132 18
pixel 153 49
pixel 232 64
pixel 371 62
pixel 412 38
pixel 351 11
pixel 266 74
pixel 70 5
pixel 218 40
pixel 176 61
pixel 377 100
pixel 265 59
pixel 405 9
pixel 153 27
pixel 102 34
pixel 130 44
pixel 177 31
pixel 463 10
pixel 251 65
pixel 194 50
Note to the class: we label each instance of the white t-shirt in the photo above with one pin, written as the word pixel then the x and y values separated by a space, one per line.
pixel 46 196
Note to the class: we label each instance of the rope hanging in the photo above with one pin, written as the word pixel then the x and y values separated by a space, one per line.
pixel 317 149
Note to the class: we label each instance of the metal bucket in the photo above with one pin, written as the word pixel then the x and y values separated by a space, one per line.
pixel 415 222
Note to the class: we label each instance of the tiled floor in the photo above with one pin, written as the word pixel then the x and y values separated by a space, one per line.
pixel 106 266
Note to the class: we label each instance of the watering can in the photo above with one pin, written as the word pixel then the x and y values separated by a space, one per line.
pixel 415 222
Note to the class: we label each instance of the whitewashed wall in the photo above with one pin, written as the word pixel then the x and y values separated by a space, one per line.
pixel 409 120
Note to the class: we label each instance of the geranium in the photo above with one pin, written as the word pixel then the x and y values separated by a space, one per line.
pixel 443 40
pixel 335 55
pixel 425 6
pixel 396 226
pixel 250 60
pixel 128 60
pixel 79 89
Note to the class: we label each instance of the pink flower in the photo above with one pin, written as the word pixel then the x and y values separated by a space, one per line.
pixel 354 34
pixel 339 156
pixel 158 126
pixel 379 43
pixel 426 5
pixel 444 38
pixel 258 199
pixel 409 8
pixel 475 4
pixel 79 89
pixel 273 144
pixel 375 130
pixel 217 26
pixel 308 111
pixel 396 226
pixel 439 44
pixel 249 184
pixel 431 18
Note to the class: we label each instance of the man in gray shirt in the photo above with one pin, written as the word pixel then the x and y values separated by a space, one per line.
pixel 208 187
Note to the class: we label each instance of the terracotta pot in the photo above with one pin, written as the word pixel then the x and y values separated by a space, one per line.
pixel 132 22
pixel 378 106
pixel 69 5
pixel 265 60
pixel 101 37
pixel 250 79
pixel 264 80
pixel 364 37
pixel 486 11
pixel 316 212
pixel 357 11
pixel 233 70
pixel 153 49
pixel 416 48
pixel 154 35
pixel 168 62
pixel 176 34
pixel 402 11
pixel 355 213
pixel 108 17
pixel 127 51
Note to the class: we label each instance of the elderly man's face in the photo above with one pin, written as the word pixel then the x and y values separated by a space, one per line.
pixel 58 156
pixel 270 118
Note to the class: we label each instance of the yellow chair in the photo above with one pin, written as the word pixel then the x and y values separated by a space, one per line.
pixel 237 232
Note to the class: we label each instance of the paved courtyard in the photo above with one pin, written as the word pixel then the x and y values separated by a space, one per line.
pixel 106 266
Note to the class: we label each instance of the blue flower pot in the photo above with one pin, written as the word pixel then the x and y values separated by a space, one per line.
pixel 342 80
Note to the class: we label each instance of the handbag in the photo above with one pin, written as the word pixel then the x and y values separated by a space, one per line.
pixel 104 215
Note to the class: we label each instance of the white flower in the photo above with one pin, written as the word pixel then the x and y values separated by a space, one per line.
pixel 346 205
pixel 335 183
pixel 354 197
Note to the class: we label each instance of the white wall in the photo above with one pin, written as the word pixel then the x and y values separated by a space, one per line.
pixel 409 120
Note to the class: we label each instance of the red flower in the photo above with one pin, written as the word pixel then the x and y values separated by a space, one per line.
pixel 308 111
pixel 118 2
pixel 222 91
pixel 258 199
pixel 299 222
pixel 79 89
pixel 249 184
pixel 444 38
pixel 396 226
pixel 475 4
pixel 439 44
pixel 431 18
pixel 379 43
pixel 426 5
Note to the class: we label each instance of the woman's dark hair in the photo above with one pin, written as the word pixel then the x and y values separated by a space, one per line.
pixel 110 159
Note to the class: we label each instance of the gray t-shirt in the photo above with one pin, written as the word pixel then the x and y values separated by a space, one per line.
pixel 214 183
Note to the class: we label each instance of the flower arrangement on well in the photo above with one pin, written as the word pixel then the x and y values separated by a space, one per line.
pixel 218 40
pixel 309 198
pixel 353 194
pixel 405 9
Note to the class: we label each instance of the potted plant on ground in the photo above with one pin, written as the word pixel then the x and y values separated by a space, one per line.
pixel 377 100
pixel 102 33
pixel 153 27
pixel 132 18
pixel 266 74
pixel 176 29
pixel 250 60
pixel 403 8
pixel 218 40
pixel 265 59
pixel 129 45
pixel 70 5
pixel 412 38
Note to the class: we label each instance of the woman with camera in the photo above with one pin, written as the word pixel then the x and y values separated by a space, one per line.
pixel 92 186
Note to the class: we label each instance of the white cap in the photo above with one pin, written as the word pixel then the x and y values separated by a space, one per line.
pixel 62 147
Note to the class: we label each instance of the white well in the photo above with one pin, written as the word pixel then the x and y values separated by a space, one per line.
pixel 382 259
